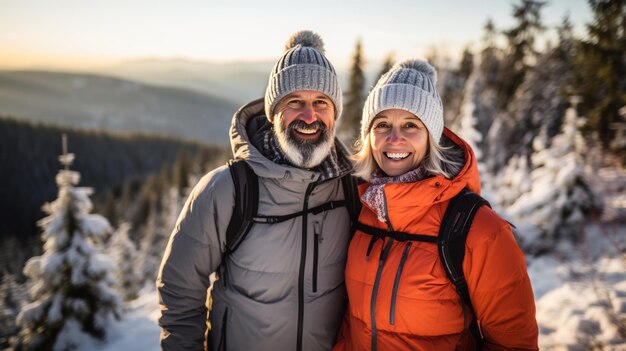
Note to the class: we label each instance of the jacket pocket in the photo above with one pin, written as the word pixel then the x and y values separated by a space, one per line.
pixel 396 283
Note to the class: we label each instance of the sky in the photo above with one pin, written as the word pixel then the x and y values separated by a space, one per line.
pixel 74 34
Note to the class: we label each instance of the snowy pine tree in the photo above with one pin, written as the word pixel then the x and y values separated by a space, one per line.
pixel 510 183
pixel 540 102
pixel 124 253
pixel 454 82
pixel 11 300
pixel 71 282
pixel 156 233
pixel 559 198
pixel 470 115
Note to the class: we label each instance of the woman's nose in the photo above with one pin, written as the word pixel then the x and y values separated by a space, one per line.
pixel 395 135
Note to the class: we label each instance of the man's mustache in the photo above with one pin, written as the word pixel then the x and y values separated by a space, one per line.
pixel 303 125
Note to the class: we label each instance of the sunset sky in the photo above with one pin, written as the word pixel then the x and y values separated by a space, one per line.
pixel 76 34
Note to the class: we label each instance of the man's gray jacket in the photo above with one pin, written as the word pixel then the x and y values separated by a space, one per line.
pixel 283 288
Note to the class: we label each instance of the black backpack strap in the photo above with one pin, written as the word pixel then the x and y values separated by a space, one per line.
pixel 378 233
pixel 453 231
pixel 246 203
pixel 353 202
pixel 245 210
pixel 331 205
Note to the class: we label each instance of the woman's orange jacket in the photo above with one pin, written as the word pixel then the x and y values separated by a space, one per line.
pixel 405 301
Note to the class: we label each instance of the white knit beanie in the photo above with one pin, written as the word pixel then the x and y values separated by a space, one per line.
pixel 303 66
pixel 409 85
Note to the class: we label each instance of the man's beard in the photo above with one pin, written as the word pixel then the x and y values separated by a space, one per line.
pixel 301 152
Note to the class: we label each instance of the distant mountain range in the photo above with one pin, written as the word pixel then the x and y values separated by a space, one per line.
pixel 239 82
pixel 193 100
pixel 91 101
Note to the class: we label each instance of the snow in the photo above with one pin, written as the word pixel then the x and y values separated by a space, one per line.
pixel 580 293
pixel 583 309
pixel 136 330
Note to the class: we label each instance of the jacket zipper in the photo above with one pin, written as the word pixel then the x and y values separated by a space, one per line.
pixel 381 261
pixel 396 283
pixel 305 206
pixel 222 344
pixel 316 243
pixel 379 271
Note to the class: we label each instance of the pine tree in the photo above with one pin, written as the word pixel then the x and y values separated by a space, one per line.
pixel 559 198
pixel 124 253
pixel 156 232
pixel 478 109
pixel 520 48
pixel 541 100
pixel 511 182
pixel 490 56
pixel 72 281
pixel 454 82
pixel 387 64
pixel 353 107
pixel 469 116
pixel 181 171
pixel 11 300
pixel 601 67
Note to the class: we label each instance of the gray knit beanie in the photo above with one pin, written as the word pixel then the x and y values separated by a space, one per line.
pixel 303 66
pixel 409 85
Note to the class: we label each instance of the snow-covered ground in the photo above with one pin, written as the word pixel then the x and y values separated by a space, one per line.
pixel 137 330
pixel 580 293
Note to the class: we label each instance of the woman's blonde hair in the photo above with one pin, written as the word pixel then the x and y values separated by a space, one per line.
pixel 438 161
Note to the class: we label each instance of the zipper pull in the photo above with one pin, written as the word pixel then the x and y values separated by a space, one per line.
pixel 317 231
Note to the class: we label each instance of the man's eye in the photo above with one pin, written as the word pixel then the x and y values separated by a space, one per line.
pixel 294 102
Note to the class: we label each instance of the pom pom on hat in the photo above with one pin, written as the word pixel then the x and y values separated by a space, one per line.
pixel 305 38
pixel 420 66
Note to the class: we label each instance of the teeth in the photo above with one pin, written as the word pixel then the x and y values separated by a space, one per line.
pixel 397 155
pixel 306 131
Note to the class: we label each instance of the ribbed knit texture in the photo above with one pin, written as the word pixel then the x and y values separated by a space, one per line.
pixel 409 86
pixel 302 67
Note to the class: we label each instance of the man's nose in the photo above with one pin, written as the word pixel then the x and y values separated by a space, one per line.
pixel 308 114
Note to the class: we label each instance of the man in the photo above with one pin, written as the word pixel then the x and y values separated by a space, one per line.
pixel 282 288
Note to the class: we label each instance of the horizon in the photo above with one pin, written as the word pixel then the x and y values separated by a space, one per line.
pixel 77 36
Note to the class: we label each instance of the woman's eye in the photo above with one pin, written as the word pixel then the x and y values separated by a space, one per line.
pixel 321 102
pixel 411 125
pixel 381 125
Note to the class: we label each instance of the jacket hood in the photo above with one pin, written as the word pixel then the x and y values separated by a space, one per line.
pixel 243 148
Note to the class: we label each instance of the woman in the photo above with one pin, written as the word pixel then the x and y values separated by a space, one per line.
pixel 399 295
